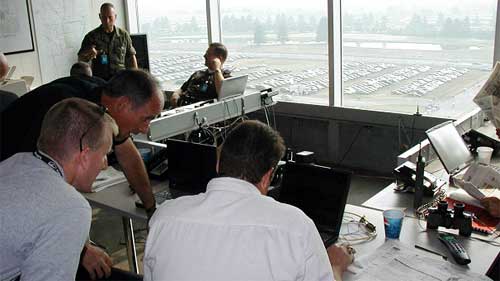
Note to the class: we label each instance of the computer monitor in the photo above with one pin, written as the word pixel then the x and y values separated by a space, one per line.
pixel 140 43
pixel 190 165
pixel 450 147
pixel 320 192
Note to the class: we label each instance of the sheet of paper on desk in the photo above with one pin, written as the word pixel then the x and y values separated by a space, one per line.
pixel 394 261
pixel 107 178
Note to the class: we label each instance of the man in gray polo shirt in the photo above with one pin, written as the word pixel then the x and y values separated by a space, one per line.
pixel 44 221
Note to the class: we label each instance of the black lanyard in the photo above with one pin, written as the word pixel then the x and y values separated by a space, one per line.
pixel 49 162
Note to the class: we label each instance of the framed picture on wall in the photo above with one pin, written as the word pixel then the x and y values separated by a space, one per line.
pixel 15 27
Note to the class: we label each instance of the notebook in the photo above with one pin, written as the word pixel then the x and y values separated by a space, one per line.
pixel 320 192
pixel 233 86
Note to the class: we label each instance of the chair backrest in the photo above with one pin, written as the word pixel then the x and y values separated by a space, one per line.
pixel 6 98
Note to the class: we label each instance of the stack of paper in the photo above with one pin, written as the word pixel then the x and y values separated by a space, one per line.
pixel 395 262
pixel 107 178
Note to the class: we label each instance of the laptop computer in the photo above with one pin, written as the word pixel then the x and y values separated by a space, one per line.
pixel 190 166
pixel 450 147
pixel 320 192
pixel 233 86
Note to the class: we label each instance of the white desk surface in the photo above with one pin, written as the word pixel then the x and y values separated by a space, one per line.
pixel 119 200
pixel 414 232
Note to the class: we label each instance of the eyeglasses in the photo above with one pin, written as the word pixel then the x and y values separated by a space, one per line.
pixel 102 111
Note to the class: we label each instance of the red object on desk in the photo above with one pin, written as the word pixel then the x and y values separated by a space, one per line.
pixel 485 223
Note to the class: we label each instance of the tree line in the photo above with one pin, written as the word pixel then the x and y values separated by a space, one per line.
pixel 280 26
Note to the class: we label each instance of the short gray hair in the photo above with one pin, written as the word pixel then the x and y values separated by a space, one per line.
pixel 136 84
pixel 71 122
pixel 80 68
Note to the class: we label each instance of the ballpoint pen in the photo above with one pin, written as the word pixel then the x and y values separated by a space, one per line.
pixel 431 251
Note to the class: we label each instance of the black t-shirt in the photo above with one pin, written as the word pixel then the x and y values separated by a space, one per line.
pixel 20 123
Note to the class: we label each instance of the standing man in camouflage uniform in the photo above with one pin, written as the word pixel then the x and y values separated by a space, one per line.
pixel 108 47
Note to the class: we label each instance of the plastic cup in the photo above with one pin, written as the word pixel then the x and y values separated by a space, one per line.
pixel 484 155
pixel 393 220
pixel 145 153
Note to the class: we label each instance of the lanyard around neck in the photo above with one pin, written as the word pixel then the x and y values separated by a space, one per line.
pixel 51 163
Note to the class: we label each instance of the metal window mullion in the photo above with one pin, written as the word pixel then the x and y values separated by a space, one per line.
pixel 214 28
pixel 496 44
pixel 335 53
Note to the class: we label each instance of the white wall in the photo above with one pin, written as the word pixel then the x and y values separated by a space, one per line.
pixel 28 64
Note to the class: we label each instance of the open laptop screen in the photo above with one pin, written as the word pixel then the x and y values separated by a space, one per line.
pixel 320 192
pixel 190 165
pixel 233 86
pixel 449 146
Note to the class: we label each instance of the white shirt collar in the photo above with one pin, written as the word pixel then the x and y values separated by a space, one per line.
pixel 232 185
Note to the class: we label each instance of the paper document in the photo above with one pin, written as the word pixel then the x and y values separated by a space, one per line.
pixel 488 97
pixel 480 181
pixel 394 261
pixel 107 178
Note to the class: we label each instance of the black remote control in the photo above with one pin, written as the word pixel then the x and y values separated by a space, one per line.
pixel 456 249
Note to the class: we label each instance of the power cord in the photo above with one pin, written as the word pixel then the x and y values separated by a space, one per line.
pixel 359 229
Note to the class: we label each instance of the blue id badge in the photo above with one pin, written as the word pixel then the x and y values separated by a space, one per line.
pixel 104 59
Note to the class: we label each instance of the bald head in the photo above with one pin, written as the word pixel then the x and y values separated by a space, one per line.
pixel 4 66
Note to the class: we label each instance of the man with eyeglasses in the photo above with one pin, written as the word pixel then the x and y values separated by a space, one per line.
pixel 44 220
pixel 233 231
pixel 132 97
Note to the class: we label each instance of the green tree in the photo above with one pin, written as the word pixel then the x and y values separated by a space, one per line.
pixel 282 28
pixel 259 35
pixel 322 30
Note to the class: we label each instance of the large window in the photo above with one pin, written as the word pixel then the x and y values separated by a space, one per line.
pixel 177 38
pixel 280 44
pixel 398 55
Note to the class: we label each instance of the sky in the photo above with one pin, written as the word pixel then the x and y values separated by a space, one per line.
pixel 188 8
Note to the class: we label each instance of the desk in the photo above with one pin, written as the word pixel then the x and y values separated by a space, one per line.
pixel 414 232
pixel 388 198
pixel 119 200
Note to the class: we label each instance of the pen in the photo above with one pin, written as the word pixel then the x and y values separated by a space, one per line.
pixel 431 251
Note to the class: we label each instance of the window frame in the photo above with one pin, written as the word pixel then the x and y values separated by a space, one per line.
pixel 335 92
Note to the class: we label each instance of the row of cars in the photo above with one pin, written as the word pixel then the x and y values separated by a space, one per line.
pixel 176 69
pixel 430 82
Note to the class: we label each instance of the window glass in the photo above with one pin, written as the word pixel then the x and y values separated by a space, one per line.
pixel 177 38
pixel 280 44
pixel 398 55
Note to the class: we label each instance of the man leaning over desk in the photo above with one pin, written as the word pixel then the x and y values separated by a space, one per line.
pixel 132 97
pixel 108 47
pixel 233 231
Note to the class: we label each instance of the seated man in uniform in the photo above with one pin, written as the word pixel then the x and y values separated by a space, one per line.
pixel 204 84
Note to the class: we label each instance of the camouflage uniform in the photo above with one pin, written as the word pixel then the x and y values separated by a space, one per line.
pixel 116 51
pixel 200 86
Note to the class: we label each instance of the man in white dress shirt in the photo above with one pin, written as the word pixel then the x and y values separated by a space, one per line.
pixel 233 231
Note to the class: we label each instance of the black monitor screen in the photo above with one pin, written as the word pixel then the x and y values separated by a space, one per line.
pixel 140 43
pixel 190 165
pixel 320 192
